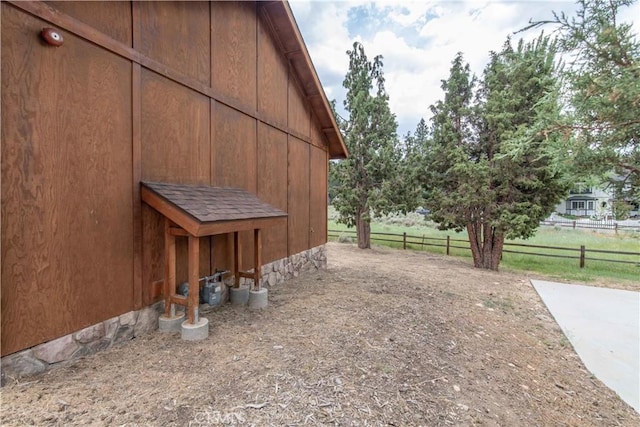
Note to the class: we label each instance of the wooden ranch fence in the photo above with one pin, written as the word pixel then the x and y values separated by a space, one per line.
pixel 420 242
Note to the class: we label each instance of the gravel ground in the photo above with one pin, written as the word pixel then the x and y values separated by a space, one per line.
pixel 381 338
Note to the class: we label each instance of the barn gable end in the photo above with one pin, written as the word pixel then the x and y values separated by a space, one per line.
pixel 214 93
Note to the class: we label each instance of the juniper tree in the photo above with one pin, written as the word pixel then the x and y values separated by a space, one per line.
pixel 368 181
pixel 489 169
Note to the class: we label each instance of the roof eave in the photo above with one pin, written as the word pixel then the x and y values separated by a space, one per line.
pixel 295 50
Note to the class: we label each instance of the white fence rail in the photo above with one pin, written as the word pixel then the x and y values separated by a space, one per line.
pixel 603 224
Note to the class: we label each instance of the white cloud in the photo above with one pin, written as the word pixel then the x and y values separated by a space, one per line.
pixel 417 39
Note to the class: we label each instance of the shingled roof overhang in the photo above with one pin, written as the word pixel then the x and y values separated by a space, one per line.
pixel 294 48
pixel 202 210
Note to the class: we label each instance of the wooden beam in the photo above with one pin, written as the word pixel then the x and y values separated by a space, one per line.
pixel 169 210
pixel 136 146
pixel 223 227
pixel 85 31
pixel 169 267
pixel 257 256
pixel 237 257
pixel 194 279
pixel 177 231
pixel 179 299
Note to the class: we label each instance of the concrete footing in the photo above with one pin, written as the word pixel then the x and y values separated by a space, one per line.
pixel 170 323
pixel 258 299
pixel 239 296
pixel 195 331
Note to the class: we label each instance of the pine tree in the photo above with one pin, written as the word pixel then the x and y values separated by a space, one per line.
pixel 368 178
pixel 489 170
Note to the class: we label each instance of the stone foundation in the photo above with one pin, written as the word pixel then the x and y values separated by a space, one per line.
pixel 125 327
pixel 279 271
pixel 86 341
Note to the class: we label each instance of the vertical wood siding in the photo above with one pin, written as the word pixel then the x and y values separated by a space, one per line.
pixel 186 92
pixel 175 146
pixel 234 51
pixel 177 34
pixel 67 240
pixel 272 77
pixel 112 18
pixel 233 160
pixel 317 196
pixel 298 197
pixel 272 187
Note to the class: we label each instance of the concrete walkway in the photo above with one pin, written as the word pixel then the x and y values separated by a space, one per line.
pixel 603 326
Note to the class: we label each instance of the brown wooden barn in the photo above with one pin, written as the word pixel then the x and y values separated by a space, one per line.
pixel 216 93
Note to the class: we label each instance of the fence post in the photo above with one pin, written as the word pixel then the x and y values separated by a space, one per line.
pixel 616 229
pixel 574 224
pixel 582 252
pixel 404 240
pixel 447 245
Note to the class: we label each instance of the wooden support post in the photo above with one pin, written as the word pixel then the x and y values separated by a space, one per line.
pixel 448 242
pixel 169 268
pixel 583 250
pixel 237 254
pixel 194 285
pixel 257 256
pixel 404 240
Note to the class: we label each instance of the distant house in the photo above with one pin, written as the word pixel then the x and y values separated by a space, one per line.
pixel 590 201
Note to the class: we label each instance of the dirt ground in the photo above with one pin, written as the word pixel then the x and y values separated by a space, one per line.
pixel 382 337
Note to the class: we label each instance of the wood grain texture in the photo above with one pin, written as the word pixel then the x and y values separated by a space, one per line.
pixel 175 148
pixel 142 295
pixel 318 196
pixel 113 18
pixel 272 187
pixel 66 184
pixel 175 132
pixel 298 195
pixel 177 34
pixel 273 77
pixel 318 137
pixel 299 112
pixel 162 91
pixel 234 51
pixel 233 160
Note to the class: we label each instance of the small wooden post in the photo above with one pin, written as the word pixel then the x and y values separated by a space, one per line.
pixel 404 240
pixel 236 259
pixel 582 253
pixel 448 239
pixel 194 285
pixel 169 286
pixel 257 256
pixel 574 224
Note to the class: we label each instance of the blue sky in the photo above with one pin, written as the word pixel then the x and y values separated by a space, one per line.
pixel 418 40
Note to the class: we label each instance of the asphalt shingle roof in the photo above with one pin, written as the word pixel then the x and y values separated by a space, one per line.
pixel 212 204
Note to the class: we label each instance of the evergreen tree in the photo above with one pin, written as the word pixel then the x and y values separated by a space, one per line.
pixel 602 82
pixel 489 169
pixel 368 180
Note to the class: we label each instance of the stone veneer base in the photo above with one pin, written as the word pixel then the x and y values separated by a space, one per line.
pixel 62 351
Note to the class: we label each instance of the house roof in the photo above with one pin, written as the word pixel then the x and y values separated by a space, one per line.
pixel 295 50
pixel 203 210
pixel 581 197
